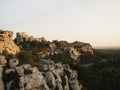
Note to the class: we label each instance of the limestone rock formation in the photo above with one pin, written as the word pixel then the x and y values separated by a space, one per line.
pixel 83 47
pixel 46 48
pixel 53 76
pixel 13 63
pixel 60 76
pixel 74 49
pixel 2 63
pixel 87 48
pixel 22 37
pixel 7 45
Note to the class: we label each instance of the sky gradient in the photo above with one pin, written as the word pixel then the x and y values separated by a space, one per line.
pixel 93 21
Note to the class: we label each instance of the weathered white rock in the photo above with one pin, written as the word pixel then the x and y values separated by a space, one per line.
pixel 20 70
pixel 33 81
pixel 54 76
pixel 9 71
pixel 74 84
pixel 66 87
pixel 59 69
pixel 13 63
pixel 47 65
pixel 50 79
pixel 58 81
pixel 30 78
pixel 26 66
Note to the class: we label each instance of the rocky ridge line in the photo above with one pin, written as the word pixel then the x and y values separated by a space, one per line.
pixel 48 48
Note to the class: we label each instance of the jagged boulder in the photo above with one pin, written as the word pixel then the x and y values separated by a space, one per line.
pixel 7 44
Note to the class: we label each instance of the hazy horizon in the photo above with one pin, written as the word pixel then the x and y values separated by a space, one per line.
pixel 92 21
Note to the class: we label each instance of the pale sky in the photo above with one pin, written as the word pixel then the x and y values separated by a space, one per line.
pixel 93 21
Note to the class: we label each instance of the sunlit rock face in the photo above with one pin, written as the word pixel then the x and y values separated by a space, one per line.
pixel 83 47
pixel 53 76
pixel 7 44
pixel 74 53
pixel 3 61
pixel 74 49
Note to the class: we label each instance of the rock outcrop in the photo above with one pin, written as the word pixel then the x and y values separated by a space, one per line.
pixel 74 53
pixel 83 47
pixel 2 64
pixel 7 44
pixel 53 76
pixel 60 76
pixel 74 49
pixel 22 37
pixel 47 48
